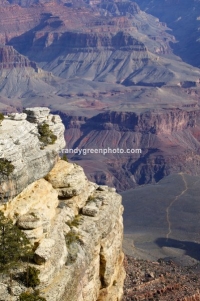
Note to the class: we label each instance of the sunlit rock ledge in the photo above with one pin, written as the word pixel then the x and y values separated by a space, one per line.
pixel 20 145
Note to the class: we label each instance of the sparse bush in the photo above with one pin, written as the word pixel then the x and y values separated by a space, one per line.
pixel 46 135
pixel 6 167
pixel 76 221
pixel 28 296
pixel 31 276
pixel 14 246
pixel 1 118
pixel 64 157
pixel 72 237
pixel 72 254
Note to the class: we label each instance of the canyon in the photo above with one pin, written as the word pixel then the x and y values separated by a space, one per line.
pixel 182 17
pixel 98 64
pixel 168 139
pixel 103 74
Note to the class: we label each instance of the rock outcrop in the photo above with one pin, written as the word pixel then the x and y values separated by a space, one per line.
pixel 10 58
pixel 75 225
pixel 20 144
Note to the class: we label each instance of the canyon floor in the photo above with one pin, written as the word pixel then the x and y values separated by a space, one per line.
pixel 162 241
pixel 160 280
pixel 162 220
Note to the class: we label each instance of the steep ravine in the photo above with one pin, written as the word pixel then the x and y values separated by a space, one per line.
pixel 75 225
pixel 168 138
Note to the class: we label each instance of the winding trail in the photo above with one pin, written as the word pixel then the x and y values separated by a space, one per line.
pixel 170 205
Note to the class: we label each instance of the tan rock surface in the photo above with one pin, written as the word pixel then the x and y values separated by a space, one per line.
pixel 68 179
pixel 43 252
pixel 71 184
pixel 79 256
pixel 38 196
pixel 29 221
pixel 97 269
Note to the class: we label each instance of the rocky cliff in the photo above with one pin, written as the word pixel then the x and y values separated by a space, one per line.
pixel 20 144
pixel 168 139
pixel 75 225
pixel 183 18
pixel 10 58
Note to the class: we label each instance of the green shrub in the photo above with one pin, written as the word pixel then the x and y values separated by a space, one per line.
pixel 1 118
pixel 6 168
pixel 46 135
pixel 27 296
pixel 72 237
pixel 31 276
pixel 64 157
pixel 78 220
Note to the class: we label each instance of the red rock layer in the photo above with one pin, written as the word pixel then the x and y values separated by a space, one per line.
pixel 10 58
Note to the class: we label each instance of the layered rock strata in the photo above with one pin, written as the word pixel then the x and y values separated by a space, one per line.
pixel 168 139
pixel 10 58
pixel 20 144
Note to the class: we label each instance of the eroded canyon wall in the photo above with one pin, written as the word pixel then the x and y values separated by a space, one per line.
pixel 168 139
pixel 75 225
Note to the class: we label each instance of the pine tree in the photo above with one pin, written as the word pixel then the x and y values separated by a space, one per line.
pixel 32 276
pixel 13 246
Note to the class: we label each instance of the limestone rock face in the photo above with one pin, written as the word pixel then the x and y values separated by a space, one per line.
pixel 78 239
pixel 94 266
pixel 43 252
pixel 71 184
pixel 90 210
pixel 29 221
pixel 68 179
pixel 37 115
pixel 38 196
pixel 20 145
pixel 33 209
pixel 18 116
